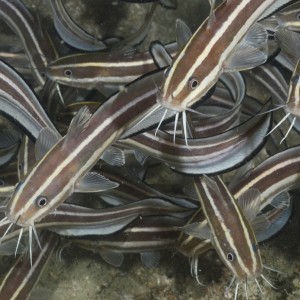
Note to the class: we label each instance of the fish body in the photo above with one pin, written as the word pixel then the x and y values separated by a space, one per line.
pixel 95 70
pixel 209 52
pixel 56 174
pixel 231 233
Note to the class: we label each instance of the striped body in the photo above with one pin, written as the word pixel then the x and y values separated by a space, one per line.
pixel 74 220
pixel 93 70
pixel 54 177
pixel 280 172
pixel 231 234
pixel 150 233
pixel 197 67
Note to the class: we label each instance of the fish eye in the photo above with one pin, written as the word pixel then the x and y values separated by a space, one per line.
pixel 298 16
pixel 193 83
pixel 167 71
pixel 41 201
pixel 68 73
pixel 20 166
pixel 231 256
pixel 1 182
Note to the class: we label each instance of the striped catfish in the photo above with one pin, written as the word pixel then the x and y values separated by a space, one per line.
pixel 195 240
pixel 228 229
pixel 234 87
pixel 278 173
pixel 145 236
pixel 37 43
pixel 74 220
pixel 226 114
pixel 212 49
pixel 100 70
pixel 64 168
pixel 219 45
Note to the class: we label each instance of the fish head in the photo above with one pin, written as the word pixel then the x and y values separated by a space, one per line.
pixel 243 259
pixel 44 188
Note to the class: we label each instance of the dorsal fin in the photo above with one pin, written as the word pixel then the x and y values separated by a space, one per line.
pixel 78 123
pixel 183 33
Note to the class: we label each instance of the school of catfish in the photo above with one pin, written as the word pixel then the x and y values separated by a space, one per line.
pixel 86 118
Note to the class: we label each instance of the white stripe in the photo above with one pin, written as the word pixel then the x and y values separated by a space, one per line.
pixel 99 64
pixel 95 80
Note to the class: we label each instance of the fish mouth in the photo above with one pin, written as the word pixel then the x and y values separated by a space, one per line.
pixel 169 104
pixel 16 219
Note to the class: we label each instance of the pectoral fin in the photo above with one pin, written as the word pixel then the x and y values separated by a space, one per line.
pixel 94 182
pixel 244 57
